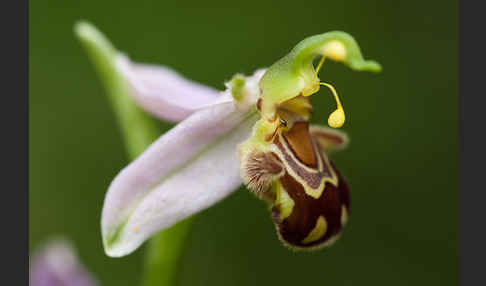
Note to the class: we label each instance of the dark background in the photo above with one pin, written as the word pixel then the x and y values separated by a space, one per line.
pixel 401 164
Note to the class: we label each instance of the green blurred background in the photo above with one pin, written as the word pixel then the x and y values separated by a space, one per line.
pixel 401 164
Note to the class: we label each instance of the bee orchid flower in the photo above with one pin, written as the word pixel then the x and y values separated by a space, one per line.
pixel 255 132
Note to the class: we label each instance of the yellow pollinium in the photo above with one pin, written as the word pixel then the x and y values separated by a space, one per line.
pixel 336 118
pixel 335 50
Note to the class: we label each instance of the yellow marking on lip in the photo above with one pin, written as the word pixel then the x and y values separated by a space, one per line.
pixel 344 215
pixel 285 202
pixel 317 232
pixel 315 193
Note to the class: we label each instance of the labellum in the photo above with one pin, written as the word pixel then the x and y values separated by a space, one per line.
pixel 309 199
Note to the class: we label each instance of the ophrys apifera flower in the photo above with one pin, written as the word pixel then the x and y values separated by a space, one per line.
pixel 255 132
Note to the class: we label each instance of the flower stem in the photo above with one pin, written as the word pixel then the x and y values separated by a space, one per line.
pixel 139 131
pixel 163 254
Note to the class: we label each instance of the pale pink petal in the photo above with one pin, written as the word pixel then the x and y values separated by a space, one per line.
pixel 186 170
pixel 163 92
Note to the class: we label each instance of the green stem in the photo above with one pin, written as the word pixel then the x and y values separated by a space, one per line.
pixel 139 131
pixel 163 254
